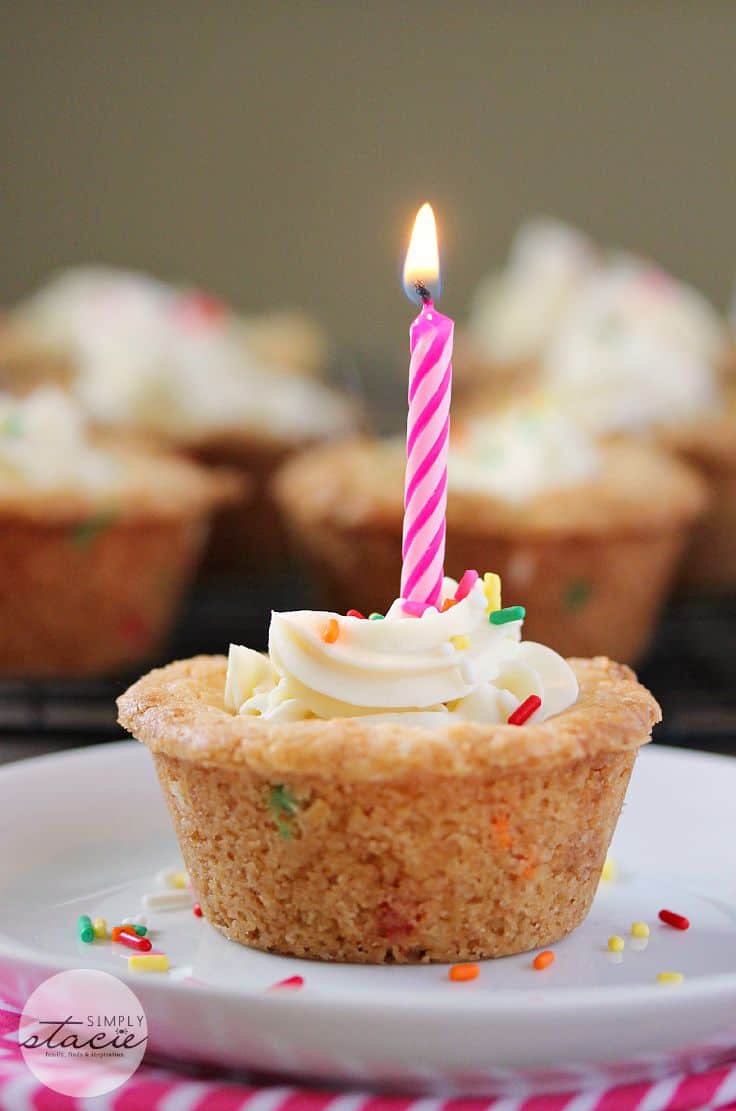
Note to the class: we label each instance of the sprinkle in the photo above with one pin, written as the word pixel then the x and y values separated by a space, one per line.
pixel 577 595
pixel 356 613
pixel 466 584
pixel 639 929
pixel 679 921
pixel 543 960
pixel 414 609
pixel 85 929
pixel 330 631
pixel 116 931
pixel 460 642
pixel 282 805
pixel 151 962
pixel 167 877
pixel 86 531
pixel 670 977
pixel 609 870
pixel 375 617
pixel 523 712
pixel 503 617
pixel 179 880
pixel 468 671
pixel 447 605
pixel 461 973
pixel 12 426
pixel 281 800
pixel 616 944
pixel 167 900
pixel 492 590
pixel 197 910
pixel 289 982
pixel 135 920
pixel 99 925
pixel 142 944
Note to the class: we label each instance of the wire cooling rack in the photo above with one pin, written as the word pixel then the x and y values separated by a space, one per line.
pixel 691 669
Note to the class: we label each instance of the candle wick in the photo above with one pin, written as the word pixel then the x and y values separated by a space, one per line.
pixel 423 292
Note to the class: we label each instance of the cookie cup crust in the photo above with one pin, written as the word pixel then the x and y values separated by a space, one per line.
pixel 402 843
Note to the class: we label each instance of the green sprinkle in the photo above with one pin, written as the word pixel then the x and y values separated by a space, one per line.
pixel 577 595
pixel 283 806
pixel 511 613
pixel 87 531
pixel 12 426
pixel 375 617
pixel 85 929
pixel 141 930
pixel 281 801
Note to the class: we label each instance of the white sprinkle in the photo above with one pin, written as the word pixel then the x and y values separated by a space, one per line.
pixel 429 609
pixel 167 900
pixel 468 671
pixel 447 649
pixel 639 944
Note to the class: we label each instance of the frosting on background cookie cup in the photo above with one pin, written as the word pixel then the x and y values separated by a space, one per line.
pixel 353 840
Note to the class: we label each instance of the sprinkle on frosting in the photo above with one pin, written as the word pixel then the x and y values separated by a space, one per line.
pixel 429 670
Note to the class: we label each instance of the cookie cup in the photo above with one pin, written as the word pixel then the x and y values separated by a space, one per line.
pixel 345 840
pixel 91 583
pixel 709 564
pixel 592 563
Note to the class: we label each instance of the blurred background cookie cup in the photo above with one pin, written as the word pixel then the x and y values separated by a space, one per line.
pixel 177 366
pixel 99 540
pixel 589 544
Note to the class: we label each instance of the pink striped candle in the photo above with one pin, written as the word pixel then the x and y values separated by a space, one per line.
pixel 428 427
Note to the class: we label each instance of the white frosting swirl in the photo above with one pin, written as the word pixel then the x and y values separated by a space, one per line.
pixel 425 671
pixel 558 287
pixel 516 311
pixel 44 444
pixel 522 451
pixel 166 359
pixel 637 350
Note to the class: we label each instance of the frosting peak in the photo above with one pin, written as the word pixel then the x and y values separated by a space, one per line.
pixel 521 451
pixel 454 664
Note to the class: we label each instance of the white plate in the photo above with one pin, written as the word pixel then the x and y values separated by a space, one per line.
pixel 86 832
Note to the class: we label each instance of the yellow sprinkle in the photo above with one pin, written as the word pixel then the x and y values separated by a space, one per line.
pixel 670 977
pixel 99 925
pixel 460 642
pixel 179 879
pixel 608 875
pixel 616 944
pixel 639 929
pixel 492 590
pixel 150 962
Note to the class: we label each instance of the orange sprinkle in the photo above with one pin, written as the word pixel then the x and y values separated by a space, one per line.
pixel 448 604
pixel 330 631
pixel 501 832
pixel 459 973
pixel 543 960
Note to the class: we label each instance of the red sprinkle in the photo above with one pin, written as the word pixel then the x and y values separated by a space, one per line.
pixel 197 910
pixel 291 982
pixel 357 613
pixel 528 707
pixel 142 944
pixel 679 921
pixel 466 584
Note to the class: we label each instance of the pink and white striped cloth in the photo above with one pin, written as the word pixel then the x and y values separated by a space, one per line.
pixel 157 1089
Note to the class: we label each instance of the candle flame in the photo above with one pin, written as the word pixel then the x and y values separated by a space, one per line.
pixel 422 264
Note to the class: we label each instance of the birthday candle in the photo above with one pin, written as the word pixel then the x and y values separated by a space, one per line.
pixel 428 424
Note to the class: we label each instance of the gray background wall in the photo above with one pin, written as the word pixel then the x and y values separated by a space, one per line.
pixel 276 151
